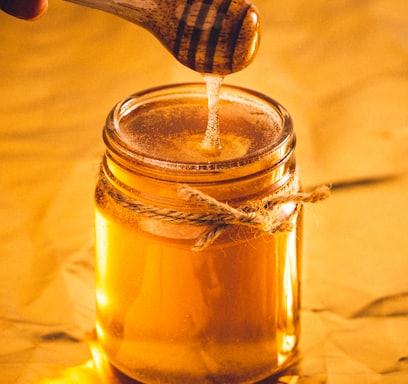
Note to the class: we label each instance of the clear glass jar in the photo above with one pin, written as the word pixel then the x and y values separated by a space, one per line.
pixel 183 294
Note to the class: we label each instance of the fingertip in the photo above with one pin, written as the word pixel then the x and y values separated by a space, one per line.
pixel 22 9
pixel 40 10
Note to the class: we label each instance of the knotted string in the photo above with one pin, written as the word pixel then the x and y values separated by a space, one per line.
pixel 261 214
pixel 264 214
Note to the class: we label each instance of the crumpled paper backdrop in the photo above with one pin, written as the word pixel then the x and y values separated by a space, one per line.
pixel 340 68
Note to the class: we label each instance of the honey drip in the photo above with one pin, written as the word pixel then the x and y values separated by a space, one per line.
pixel 212 139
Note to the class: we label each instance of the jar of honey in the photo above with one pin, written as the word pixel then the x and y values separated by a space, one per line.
pixel 198 252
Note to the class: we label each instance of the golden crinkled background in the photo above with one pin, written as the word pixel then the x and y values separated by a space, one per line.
pixel 340 68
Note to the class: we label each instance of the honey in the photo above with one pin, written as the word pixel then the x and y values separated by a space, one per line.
pixel 168 312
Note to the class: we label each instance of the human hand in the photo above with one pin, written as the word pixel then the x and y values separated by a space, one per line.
pixel 24 9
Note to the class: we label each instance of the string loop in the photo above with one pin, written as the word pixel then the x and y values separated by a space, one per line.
pixel 264 214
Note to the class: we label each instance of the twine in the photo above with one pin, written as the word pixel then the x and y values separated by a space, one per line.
pixel 264 214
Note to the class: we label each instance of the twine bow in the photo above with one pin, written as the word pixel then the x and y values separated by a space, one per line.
pixel 264 214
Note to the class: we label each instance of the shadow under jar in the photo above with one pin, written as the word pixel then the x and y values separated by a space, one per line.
pixel 183 294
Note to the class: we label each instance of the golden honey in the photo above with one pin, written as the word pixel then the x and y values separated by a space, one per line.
pixel 168 312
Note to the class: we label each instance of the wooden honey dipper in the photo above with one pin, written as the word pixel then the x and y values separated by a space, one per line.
pixel 216 37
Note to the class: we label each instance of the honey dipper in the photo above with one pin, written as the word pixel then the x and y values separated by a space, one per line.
pixel 216 37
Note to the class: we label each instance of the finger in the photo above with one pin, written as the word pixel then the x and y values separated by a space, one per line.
pixel 24 9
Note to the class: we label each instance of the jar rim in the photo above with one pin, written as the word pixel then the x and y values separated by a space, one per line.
pixel 275 151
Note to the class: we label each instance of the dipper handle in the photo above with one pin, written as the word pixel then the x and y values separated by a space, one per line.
pixel 216 37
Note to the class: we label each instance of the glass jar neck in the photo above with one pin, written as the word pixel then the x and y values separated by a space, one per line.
pixel 151 139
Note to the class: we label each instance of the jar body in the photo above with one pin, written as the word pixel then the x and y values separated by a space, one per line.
pixel 166 313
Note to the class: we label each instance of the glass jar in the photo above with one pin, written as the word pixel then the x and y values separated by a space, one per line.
pixel 198 260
